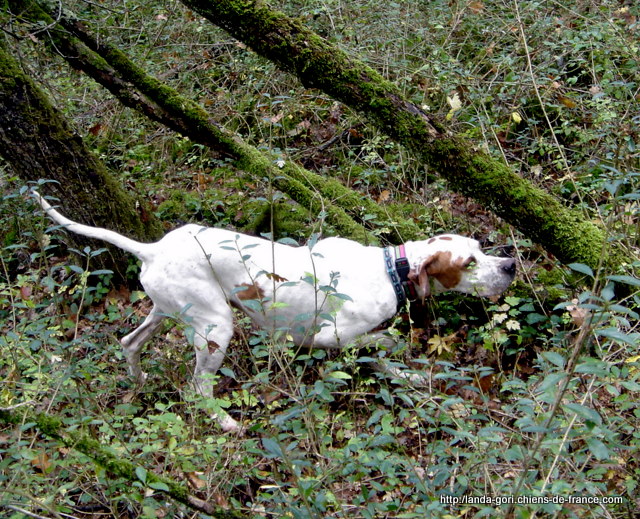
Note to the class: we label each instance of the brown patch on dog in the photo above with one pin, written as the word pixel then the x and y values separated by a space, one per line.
pixel 251 291
pixel 445 270
pixel 447 238
pixel 441 267
pixel 430 240
pixel 212 346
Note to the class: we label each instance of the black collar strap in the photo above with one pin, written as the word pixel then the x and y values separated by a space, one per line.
pixel 398 271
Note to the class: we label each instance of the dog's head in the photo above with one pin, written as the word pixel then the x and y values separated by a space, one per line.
pixel 452 262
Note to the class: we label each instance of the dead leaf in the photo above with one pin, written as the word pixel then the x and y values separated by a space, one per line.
pixel 212 346
pixel 129 397
pixel 476 6
pixel 567 101
pixel 194 480
pixel 276 118
pixel 203 180
pixel 275 277
pixel 415 335
pixel 25 293
pixel 117 297
pixel 41 463
pixel 484 383
pixel 439 345
pixel 459 410
pixel 384 196
pixel 578 314
pixel 220 500
pixel 96 129
pixel 454 103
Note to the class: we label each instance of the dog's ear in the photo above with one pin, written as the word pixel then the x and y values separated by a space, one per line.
pixel 421 278
pixel 441 267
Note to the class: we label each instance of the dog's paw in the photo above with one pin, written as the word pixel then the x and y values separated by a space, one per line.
pixel 228 424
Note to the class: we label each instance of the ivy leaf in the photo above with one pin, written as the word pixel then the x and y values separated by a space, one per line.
pixel 141 473
pixel 582 268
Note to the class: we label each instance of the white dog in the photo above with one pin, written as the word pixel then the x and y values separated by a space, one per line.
pixel 324 296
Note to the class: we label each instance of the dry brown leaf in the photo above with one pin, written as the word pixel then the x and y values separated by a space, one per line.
pixel 129 397
pixel 475 6
pixel 484 383
pixel 41 463
pixel 194 480
pixel 275 277
pixel 25 292
pixel 567 101
pixel 384 196
pixel 578 314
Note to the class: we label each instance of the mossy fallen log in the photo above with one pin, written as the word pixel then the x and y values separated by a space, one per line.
pixel 136 89
pixel 114 464
pixel 286 41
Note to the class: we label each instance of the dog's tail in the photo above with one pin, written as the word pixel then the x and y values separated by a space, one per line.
pixel 136 248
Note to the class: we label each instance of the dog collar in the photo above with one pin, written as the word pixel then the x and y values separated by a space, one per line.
pixel 398 269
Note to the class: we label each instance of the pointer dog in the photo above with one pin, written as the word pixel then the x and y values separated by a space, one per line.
pixel 323 296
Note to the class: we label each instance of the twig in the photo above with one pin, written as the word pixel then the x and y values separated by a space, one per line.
pixel 571 365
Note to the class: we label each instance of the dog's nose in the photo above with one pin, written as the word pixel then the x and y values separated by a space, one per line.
pixel 509 267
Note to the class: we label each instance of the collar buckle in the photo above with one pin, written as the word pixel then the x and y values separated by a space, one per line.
pixel 398 271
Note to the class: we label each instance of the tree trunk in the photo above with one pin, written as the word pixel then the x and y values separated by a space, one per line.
pixel 288 43
pixel 38 143
pixel 136 89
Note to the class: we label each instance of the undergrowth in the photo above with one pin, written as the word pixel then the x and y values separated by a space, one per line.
pixel 532 403
pixel 526 404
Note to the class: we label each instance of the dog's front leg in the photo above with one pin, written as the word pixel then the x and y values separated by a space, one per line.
pixel 382 340
pixel 211 346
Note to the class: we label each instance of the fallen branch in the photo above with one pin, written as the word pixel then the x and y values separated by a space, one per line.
pixel 286 41
pixel 136 89
pixel 114 464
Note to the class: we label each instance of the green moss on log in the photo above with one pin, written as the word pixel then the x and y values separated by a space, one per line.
pixel 165 105
pixel 474 173
pixel 111 462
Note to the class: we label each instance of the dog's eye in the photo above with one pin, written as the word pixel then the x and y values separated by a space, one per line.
pixel 470 263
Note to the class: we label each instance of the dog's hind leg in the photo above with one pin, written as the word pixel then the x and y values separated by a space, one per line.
pixel 133 342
